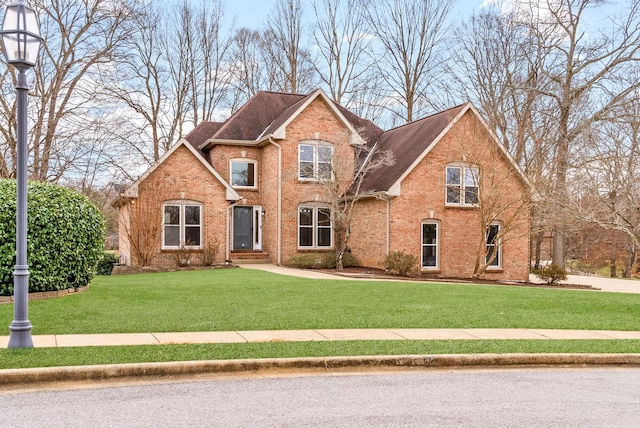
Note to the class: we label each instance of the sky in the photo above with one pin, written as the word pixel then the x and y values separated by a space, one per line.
pixel 253 13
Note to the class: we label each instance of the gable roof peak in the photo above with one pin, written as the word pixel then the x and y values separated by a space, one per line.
pixel 455 109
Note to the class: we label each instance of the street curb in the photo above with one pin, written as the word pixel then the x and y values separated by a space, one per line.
pixel 32 376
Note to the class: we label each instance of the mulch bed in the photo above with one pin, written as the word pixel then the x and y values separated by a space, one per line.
pixel 373 273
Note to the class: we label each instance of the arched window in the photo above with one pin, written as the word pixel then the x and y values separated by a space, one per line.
pixel 494 246
pixel 430 245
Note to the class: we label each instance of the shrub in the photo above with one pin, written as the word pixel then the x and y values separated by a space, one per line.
pixel 307 261
pixel 105 265
pixel 209 254
pixel 65 237
pixel 401 262
pixel 182 257
pixel 551 274
pixel 348 260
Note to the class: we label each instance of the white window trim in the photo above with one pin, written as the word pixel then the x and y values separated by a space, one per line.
pixel 255 172
pixel 463 172
pixel 314 226
pixel 182 205
pixel 316 163
pixel 437 245
pixel 498 260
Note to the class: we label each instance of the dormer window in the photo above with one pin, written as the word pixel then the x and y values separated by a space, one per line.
pixel 463 185
pixel 314 161
pixel 243 173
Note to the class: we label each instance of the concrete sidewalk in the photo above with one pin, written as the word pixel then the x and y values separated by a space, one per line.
pixel 68 340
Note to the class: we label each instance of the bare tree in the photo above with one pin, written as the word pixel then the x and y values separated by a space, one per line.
pixel 208 49
pixel 497 63
pixel 607 192
pixel 410 33
pixel 247 65
pixel 172 75
pixel 80 36
pixel 341 45
pixel 583 70
pixel 141 234
pixel 285 56
pixel 343 185
pixel 543 82
pixel 141 83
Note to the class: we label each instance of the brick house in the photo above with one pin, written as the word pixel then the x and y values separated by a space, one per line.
pixel 250 187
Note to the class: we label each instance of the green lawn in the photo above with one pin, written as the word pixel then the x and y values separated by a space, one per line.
pixel 241 299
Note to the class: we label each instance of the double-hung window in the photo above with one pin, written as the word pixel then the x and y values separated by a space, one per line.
pixel 314 227
pixel 462 185
pixel 181 225
pixel 243 173
pixel 314 161
pixel 494 253
pixel 430 237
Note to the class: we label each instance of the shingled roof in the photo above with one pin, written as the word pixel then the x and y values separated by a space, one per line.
pixel 258 114
pixel 202 133
pixel 264 114
pixel 267 113
pixel 408 144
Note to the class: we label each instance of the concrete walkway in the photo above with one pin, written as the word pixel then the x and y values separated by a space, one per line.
pixel 614 285
pixel 68 340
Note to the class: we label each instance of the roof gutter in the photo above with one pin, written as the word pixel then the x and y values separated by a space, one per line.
pixel 211 142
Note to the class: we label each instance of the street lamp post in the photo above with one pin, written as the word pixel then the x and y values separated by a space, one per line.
pixel 21 41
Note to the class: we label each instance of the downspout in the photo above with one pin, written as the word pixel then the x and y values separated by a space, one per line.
pixel 279 198
pixel 388 250
pixel 227 249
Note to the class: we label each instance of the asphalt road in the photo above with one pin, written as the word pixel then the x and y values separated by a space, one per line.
pixel 439 398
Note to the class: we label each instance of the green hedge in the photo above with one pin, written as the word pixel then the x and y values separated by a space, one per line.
pixel 65 237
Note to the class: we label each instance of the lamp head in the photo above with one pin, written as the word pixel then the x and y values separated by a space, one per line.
pixel 21 34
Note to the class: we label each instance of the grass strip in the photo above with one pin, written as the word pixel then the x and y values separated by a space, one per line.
pixel 52 357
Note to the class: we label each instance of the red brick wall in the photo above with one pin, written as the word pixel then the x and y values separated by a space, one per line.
pixel 182 177
pixel 316 122
pixel 423 198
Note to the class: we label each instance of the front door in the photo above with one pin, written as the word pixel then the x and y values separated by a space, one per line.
pixel 247 228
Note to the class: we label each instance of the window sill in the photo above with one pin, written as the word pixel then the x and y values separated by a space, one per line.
pixel 176 249
pixel 461 206
pixel 314 249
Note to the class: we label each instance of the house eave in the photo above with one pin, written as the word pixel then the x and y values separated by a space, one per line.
pixel 212 142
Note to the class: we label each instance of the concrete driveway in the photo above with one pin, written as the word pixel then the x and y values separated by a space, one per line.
pixel 614 285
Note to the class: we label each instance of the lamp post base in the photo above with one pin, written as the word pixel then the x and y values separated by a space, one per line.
pixel 20 335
